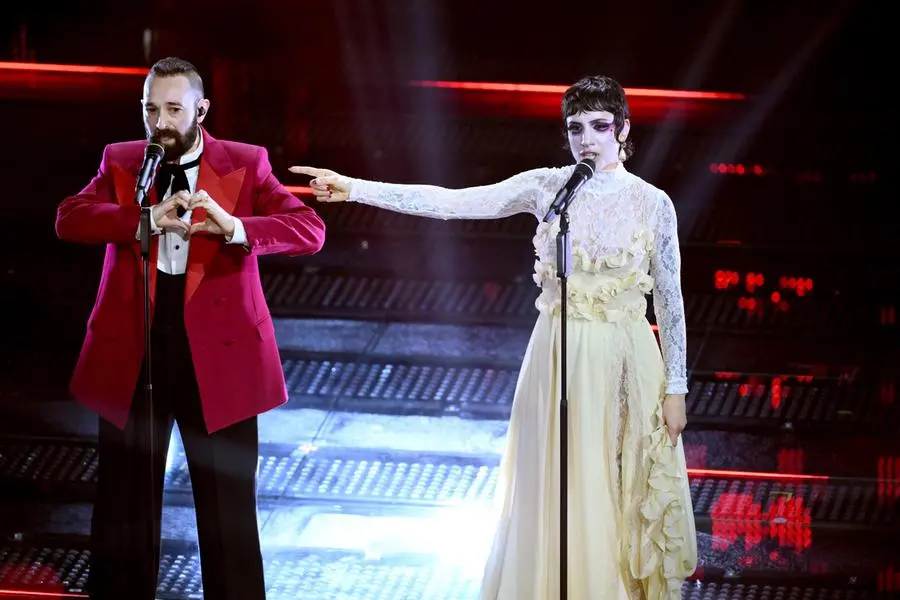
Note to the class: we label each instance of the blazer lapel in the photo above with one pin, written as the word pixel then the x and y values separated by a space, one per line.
pixel 124 183
pixel 225 191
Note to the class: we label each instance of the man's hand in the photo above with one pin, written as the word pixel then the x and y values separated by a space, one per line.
pixel 166 217
pixel 217 222
pixel 675 415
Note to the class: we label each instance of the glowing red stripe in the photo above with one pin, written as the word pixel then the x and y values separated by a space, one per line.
pixel 755 475
pixel 27 594
pixel 57 68
pixel 457 85
pixel 537 88
pixel 298 189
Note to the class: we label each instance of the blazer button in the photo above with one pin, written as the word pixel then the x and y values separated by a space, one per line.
pixel 220 301
pixel 230 342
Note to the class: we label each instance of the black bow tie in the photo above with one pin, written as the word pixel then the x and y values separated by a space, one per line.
pixel 174 174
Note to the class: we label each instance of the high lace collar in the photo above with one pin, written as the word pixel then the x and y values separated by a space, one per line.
pixel 609 180
pixel 617 171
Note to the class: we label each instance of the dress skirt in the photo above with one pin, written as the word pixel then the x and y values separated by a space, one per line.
pixel 631 531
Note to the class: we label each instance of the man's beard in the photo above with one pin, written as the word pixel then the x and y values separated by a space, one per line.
pixel 177 144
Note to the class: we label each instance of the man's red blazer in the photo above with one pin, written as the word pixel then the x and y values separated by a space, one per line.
pixel 228 323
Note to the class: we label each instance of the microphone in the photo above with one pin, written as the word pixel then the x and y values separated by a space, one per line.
pixel 583 171
pixel 152 156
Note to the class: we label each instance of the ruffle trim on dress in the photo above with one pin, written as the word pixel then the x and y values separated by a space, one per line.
pixel 641 244
pixel 661 555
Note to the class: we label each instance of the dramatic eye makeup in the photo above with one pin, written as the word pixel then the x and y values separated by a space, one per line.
pixel 598 125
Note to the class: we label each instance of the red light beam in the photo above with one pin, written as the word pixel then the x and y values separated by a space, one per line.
pixel 59 68
pixel 558 90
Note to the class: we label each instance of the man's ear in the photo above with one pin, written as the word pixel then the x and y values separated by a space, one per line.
pixel 202 109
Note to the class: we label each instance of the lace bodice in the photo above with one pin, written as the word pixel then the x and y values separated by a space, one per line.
pixel 620 226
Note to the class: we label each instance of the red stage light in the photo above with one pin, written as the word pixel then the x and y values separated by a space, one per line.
pixel 558 90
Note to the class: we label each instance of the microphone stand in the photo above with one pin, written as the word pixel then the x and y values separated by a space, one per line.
pixel 563 264
pixel 584 170
pixel 143 200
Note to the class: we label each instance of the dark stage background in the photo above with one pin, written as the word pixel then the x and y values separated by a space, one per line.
pixel 788 228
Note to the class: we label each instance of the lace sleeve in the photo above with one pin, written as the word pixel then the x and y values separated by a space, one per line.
pixel 668 302
pixel 520 193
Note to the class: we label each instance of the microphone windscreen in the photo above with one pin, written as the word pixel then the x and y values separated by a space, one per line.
pixel 586 168
pixel 154 148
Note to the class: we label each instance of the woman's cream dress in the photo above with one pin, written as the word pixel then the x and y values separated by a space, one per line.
pixel 630 520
